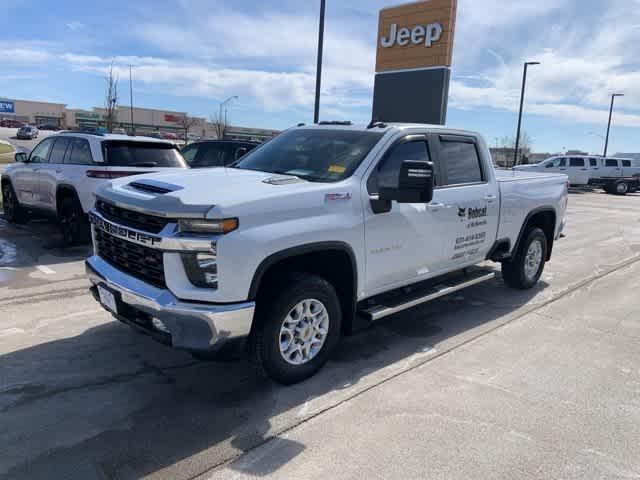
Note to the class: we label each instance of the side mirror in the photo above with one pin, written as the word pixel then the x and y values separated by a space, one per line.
pixel 415 184
pixel 21 157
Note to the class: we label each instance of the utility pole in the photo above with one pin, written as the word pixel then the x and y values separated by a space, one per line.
pixel 131 97
pixel 606 142
pixel 316 112
pixel 524 84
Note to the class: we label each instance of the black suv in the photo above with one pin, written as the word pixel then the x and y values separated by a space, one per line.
pixel 215 153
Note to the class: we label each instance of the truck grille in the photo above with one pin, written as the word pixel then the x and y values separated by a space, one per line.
pixel 137 260
pixel 130 218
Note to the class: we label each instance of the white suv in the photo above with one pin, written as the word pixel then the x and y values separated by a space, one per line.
pixel 60 175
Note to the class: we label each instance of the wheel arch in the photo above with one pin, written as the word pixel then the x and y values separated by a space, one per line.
pixel 543 218
pixel 65 190
pixel 333 261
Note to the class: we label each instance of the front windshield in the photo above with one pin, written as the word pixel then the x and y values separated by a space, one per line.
pixel 316 155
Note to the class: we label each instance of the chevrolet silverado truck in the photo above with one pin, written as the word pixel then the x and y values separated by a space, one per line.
pixel 314 235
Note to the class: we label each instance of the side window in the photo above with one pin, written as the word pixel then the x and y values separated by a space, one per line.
pixel 460 161
pixel 189 153
pixel 79 152
pixel 59 150
pixel 387 173
pixel 611 163
pixel 593 162
pixel 576 162
pixel 211 155
pixel 626 163
pixel 40 154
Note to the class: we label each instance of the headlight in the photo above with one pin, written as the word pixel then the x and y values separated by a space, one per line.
pixel 225 225
pixel 201 269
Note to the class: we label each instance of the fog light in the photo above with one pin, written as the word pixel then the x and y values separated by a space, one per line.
pixel 159 325
pixel 201 269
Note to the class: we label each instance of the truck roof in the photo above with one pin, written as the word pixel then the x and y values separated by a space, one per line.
pixel 385 127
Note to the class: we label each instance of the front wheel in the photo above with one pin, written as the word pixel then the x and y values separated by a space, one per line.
pixel 525 269
pixel 297 332
pixel 13 211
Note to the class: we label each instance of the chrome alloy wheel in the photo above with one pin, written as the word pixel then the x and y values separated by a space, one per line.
pixel 533 259
pixel 304 332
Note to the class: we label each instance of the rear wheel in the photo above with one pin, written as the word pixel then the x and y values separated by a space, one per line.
pixel 74 225
pixel 297 332
pixel 622 188
pixel 525 269
pixel 12 209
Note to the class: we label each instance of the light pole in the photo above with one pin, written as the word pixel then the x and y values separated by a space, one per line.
pixel 606 142
pixel 316 111
pixel 524 84
pixel 131 98
pixel 224 104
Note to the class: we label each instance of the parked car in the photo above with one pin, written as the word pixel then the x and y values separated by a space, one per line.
pixel 49 126
pixel 11 123
pixel 319 231
pixel 216 153
pixel 28 132
pixel 578 168
pixel 617 176
pixel 58 178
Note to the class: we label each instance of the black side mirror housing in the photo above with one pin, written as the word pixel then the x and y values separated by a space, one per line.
pixel 415 184
pixel 21 157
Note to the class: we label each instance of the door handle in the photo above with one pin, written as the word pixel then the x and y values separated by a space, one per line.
pixel 434 207
pixel 583 169
pixel 490 198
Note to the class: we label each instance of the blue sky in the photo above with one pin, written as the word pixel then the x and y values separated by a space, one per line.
pixel 190 54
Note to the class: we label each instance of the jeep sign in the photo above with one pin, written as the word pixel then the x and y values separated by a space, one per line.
pixel 420 34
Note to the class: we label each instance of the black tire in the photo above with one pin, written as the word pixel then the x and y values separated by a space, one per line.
pixel 74 224
pixel 265 340
pixel 607 188
pixel 621 188
pixel 13 211
pixel 515 272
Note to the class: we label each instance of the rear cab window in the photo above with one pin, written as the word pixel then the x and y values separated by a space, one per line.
pixel 79 152
pixel 123 153
pixel 59 150
pixel 459 161
pixel 626 163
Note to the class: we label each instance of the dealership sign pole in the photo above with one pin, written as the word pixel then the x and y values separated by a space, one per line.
pixel 413 62
pixel 316 111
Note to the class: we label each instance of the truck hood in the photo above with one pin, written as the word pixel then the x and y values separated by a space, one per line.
pixel 196 193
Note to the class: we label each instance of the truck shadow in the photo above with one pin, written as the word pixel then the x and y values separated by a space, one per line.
pixel 112 404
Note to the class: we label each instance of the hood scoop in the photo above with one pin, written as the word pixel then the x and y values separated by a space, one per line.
pixel 282 180
pixel 153 186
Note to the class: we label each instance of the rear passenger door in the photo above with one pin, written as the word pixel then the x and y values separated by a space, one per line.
pixel 468 199
pixel 77 163
pixel 50 174
pixel 577 171
pixel 612 168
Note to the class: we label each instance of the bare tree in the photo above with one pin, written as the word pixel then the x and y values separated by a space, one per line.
pixel 111 100
pixel 524 150
pixel 219 124
pixel 187 122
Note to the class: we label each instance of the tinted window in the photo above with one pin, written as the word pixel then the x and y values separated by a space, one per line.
pixel 40 154
pixel 141 154
pixel 557 162
pixel 611 163
pixel 318 155
pixel 189 153
pixel 211 155
pixel 58 151
pixel 576 162
pixel 460 161
pixel 593 162
pixel 387 174
pixel 626 163
pixel 79 152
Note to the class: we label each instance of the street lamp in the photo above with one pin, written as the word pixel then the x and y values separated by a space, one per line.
pixel 524 84
pixel 224 104
pixel 606 142
pixel 316 110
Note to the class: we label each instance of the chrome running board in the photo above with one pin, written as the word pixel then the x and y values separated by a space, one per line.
pixel 443 288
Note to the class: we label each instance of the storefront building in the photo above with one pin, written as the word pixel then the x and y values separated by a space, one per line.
pixel 35 113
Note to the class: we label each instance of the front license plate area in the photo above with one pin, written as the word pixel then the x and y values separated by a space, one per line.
pixel 108 299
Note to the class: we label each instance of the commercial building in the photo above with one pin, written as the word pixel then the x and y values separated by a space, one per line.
pixel 146 121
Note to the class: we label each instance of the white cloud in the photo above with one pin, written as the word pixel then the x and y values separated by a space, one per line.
pixel 75 26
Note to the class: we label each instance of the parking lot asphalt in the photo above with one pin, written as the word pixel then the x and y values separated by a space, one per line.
pixel 9 134
pixel 486 383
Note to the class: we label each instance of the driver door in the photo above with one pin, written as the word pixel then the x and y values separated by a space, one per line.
pixel 402 241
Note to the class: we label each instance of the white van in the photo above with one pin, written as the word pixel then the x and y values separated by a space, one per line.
pixel 618 167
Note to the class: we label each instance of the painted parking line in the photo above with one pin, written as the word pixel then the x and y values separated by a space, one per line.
pixel 46 270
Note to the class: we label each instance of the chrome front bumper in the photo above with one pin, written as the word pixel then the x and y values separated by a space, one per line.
pixel 199 327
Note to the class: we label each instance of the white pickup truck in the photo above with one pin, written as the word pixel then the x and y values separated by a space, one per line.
pixel 314 234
